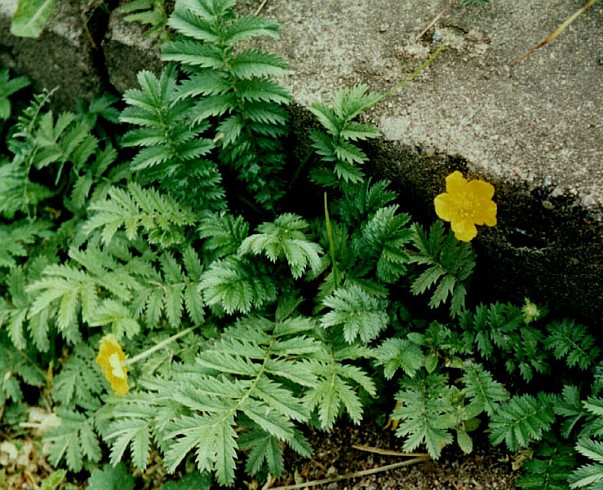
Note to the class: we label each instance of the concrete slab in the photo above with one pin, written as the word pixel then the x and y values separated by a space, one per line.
pixel 534 129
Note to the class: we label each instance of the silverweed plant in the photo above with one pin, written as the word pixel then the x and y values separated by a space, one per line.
pixel 181 319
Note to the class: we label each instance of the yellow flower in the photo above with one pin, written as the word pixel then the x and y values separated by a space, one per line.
pixel 111 359
pixel 466 204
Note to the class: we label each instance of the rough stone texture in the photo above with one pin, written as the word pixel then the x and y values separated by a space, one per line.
pixel 533 129
pixel 127 51
pixel 63 57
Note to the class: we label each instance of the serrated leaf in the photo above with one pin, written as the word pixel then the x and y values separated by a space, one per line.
pixel 31 17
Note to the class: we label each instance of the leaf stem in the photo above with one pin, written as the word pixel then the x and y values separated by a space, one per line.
pixel 158 346
pixel 331 241
pixel 416 72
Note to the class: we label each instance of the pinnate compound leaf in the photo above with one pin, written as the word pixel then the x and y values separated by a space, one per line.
pixel 73 441
pixel 395 354
pixel 481 387
pixel 285 239
pixel 236 285
pixel 521 420
pixel 357 312
pixel 571 341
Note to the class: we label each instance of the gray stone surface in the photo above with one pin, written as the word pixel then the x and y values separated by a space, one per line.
pixel 127 51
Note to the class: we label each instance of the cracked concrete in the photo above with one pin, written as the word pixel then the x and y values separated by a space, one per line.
pixel 534 129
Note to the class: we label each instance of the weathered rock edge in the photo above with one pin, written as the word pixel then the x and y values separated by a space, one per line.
pixel 534 130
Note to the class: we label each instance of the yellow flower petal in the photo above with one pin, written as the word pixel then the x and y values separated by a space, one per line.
pixel 111 359
pixel 466 204
pixel 465 231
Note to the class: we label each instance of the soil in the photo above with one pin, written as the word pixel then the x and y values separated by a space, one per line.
pixel 349 450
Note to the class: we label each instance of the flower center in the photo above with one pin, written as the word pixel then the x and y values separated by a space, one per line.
pixel 118 369
pixel 466 206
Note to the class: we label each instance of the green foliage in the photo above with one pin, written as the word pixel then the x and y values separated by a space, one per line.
pixel 31 17
pixel 590 447
pixel 172 142
pixel 399 354
pixel 232 87
pixel 150 13
pixel 8 86
pixel 79 381
pixel 16 368
pixel 590 475
pixel 111 478
pixel 73 440
pixel 222 233
pixel 52 481
pixel 486 394
pixel 190 481
pixel 384 239
pixel 285 239
pixel 572 342
pixel 521 420
pixel 357 312
pixel 163 220
pixel 550 466
pixel 501 333
pixel 336 144
pixel 449 263
pixel 237 285
pixel 426 413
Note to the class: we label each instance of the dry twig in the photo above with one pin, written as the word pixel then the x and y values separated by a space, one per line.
pixel 356 474
pixel 388 452
pixel 257 12
pixel 436 18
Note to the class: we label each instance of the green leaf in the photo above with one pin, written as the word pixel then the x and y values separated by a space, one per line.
pixel 236 285
pixel 395 354
pixel 357 312
pixel 571 341
pixel 111 478
pixel 31 17
pixel 521 420
pixel 449 265
pixel 74 441
pixel 424 410
pixel 550 466
pixel 484 391
pixel 284 239
pixel 52 481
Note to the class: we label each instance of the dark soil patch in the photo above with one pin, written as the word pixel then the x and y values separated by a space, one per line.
pixel 336 454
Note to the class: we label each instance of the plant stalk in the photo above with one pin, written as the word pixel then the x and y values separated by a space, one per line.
pixel 156 347
pixel 551 37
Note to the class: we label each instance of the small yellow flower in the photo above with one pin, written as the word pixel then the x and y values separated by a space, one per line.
pixel 111 359
pixel 530 311
pixel 466 204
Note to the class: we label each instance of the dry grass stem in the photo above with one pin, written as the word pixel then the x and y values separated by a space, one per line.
pixel 356 474
pixel 388 452
pixel 436 18
pixel 261 7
